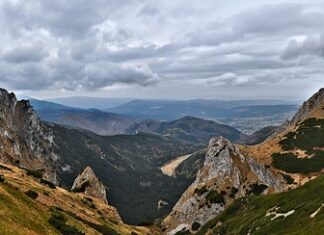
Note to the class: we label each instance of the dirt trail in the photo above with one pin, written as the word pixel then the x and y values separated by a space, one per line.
pixel 169 168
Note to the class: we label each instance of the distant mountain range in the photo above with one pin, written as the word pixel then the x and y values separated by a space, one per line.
pixel 100 122
pixel 210 109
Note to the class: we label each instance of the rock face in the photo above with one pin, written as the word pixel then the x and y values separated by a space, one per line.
pixel 312 106
pixel 225 175
pixel 24 140
pixel 89 184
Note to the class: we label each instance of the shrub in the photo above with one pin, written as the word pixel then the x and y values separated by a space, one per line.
pixel 89 202
pixel 233 192
pixel 288 179
pixel 58 221
pixel 200 191
pixel 257 189
pixel 195 226
pixel 2 179
pixel 36 173
pixel 32 194
pixel 48 183
pixel 214 197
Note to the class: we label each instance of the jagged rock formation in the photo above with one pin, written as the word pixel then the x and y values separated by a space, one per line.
pixel 225 175
pixel 313 106
pixel 89 184
pixel 24 140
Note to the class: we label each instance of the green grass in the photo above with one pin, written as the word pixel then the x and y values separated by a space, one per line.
pixel 20 214
pixel 248 214
pixel 59 221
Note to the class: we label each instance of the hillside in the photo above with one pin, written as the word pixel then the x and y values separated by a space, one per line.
pixel 299 211
pixel 285 161
pixel 100 122
pixel 247 116
pixel 128 165
pixel 30 205
pixel 188 129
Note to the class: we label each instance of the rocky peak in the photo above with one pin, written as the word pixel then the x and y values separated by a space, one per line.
pixel 310 107
pixel 89 184
pixel 226 174
pixel 24 140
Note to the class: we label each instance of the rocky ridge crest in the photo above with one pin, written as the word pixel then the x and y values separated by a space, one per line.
pixel 24 140
pixel 226 174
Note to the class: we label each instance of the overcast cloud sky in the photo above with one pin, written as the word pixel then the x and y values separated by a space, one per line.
pixel 162 49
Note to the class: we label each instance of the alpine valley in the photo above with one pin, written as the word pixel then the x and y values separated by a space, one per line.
pixel 174 171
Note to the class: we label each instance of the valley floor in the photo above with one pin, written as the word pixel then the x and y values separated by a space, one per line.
pixel 170 167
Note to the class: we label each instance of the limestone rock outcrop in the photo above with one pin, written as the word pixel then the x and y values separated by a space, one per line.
pixel 24 140
pixel 90 185
pixel 226 174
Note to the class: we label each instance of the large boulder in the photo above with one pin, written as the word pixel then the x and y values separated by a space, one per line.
pixel 90 185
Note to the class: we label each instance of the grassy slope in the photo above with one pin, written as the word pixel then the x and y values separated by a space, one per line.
pixel 248 214
pixel 19 214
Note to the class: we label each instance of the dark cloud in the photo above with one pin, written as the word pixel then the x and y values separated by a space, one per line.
pixel 82 45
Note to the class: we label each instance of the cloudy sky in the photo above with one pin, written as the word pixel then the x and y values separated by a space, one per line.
pixel 226 49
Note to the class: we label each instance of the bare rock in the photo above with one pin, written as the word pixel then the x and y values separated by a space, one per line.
pixel 89 184
pixel 24 140
pixel 226 174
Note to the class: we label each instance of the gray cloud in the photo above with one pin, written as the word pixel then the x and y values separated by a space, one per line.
pixel 309 46
pixel 87 46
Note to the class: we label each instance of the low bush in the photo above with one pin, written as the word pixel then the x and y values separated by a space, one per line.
pixel 58 221
pixel 200 191
pixel 195 226
pixel 89 202
pixel 288 179
pixel 48 183
pixel 233 192
pixel 32 194
pixel 214 197
pixel 257 189
pixel 2 179
pixel 36 173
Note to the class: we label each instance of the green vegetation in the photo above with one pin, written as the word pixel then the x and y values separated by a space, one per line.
pixel 36 173
pixel 292 164
pixel 195 226
pixel 200 191
pixel 257 189
pixel 58 221
pixel 288 179
pixel 233 192
pixel 308 137
pixel 32 194
pixel 89 202
pixel 48 183
pixel 128 164
pixel 214 197
pixel 248 215
pixel 2 178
